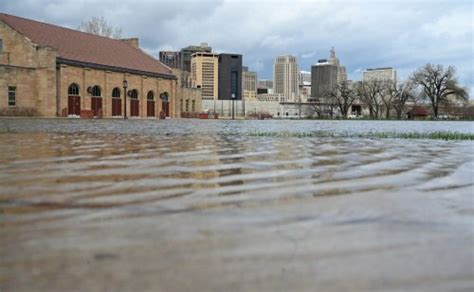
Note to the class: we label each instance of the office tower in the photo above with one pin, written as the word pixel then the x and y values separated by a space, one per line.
pixel 249 84
pixel 186 54
pixel 204 73
pixel 182 59
pixel 285 77
pixel 171 59
pixel 230 76
pixel 326 74
pixel 380 74
pixel 305 78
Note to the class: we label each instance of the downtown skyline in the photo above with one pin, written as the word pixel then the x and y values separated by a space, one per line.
pixel 365 34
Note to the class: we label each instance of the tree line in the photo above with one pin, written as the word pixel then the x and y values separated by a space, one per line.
pixel 432 83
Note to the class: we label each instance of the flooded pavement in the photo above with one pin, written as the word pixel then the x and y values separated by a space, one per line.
pixel 196 205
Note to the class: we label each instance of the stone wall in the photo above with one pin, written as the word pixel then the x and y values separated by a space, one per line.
pixel 188 96
pixel 107 81
pixel 30 69
pixel 42 84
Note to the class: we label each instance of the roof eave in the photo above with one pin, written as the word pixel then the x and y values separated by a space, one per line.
pixel 76 63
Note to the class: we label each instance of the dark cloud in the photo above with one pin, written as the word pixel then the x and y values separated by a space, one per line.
pixel 403 34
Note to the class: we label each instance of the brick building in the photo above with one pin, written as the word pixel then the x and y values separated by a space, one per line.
pixel 59 71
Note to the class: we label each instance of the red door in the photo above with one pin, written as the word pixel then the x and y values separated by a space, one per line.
pixel 74 105
pixel 166 108
pixel 96 105
pixel 150 108
pixel 134 111
pixel 116 107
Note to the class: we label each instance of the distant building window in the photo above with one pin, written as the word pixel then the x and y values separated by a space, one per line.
pixel 11 96
pixel 193 105
pixel 150 96
pixel 187 105
pixel 133 94
pixel 1 46
pixel 73 89
pixel 116 92
pixel 96 91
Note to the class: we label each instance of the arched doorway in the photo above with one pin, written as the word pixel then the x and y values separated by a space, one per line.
pixel 96 101
pixel 150 104
pixel 116 102
pixel 134 103
pixel 74 100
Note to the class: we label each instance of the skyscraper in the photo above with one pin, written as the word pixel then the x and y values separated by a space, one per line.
pixel 204 72
pixel 305 78
pixel 285 77
pixel 186 54
pixel 181 60
pixel 326 74
pixel 230 76
pixel 171 59
pixel 249 85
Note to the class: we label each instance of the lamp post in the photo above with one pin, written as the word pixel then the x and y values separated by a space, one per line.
pixel 125 85
pixel 233 99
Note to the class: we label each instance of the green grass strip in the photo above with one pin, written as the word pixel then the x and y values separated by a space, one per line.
pixel 439 135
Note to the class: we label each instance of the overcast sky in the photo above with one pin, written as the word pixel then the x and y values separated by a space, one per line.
pixel 366 34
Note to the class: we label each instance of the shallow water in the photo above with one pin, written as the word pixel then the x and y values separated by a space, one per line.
pixel 196 205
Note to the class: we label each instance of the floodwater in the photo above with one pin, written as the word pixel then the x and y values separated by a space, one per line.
pixel 201 205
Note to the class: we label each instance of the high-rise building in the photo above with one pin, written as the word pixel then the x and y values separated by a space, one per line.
pixel 380 74
pixel 249 85
pixel 186 54
pixel 230 76
pixel 305 78
pixel 204 73
pixel 171 59
pixel 285 77
pixel 264 83
pixel 182 59
pixel 326 74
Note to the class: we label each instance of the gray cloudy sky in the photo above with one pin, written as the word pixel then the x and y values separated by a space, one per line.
pixel 368 33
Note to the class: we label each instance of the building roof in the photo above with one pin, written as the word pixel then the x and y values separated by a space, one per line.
pixel 378 69
pixel 87 49
pixel 419 111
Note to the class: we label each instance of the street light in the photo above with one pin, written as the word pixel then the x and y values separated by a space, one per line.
pixel 125 85
pixel 233 99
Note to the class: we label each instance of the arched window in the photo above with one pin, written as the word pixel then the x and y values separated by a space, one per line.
pixel 150 95
pixel 73 89
pixel 116 92
pixel 96 91
pixel 134 94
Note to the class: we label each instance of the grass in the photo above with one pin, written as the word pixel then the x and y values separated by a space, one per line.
pixel 440 135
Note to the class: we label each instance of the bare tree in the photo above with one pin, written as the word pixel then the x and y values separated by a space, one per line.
pixel 99 26
pixel 369 92
pixel 314 107
pixel 343 96
pixel 387 95
pixel 439 85
pixel 401 93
